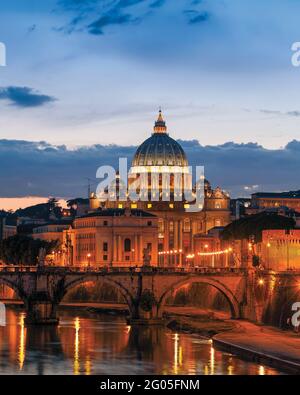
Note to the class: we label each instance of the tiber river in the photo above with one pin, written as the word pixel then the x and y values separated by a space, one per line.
pixel 88 343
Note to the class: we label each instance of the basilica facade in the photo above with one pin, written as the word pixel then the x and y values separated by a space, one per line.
pixel 160 222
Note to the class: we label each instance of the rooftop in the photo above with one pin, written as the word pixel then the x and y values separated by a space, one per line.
pixel 282 195
pixel 119 213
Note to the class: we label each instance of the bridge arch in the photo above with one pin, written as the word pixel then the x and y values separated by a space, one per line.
pixel 128 297
pixel 222 288
pixel 14 286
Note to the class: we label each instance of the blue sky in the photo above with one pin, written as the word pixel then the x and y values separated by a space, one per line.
pixel 85 72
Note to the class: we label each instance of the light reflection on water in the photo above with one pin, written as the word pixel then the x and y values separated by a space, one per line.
pixel 87 344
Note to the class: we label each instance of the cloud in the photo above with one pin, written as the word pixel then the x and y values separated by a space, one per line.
pixel 113 17
pixel 294 113
pixel 24 96
pixel 195 17
pixel 42 169
pixel 110 13
pixel 157 4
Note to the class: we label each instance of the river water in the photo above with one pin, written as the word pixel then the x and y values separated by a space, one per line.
pixel 89 343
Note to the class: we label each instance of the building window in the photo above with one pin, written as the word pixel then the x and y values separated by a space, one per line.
pixel 127 258
pixel 134 206
pixel 218 205
pixel 149 247
pixel 149 223
pixel 105 257
pixel 186 225
pixel 161 227
pixel 127 245
pixel 120 205
pixel 218 222
pixel 105 246
pixel 149 205
pixel 105 223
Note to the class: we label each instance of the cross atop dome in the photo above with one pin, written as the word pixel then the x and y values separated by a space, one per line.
pixel 160 124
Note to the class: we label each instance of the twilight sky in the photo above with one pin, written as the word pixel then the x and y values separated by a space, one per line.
pixel 86 72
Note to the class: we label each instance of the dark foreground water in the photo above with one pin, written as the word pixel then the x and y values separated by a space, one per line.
pixel 86 343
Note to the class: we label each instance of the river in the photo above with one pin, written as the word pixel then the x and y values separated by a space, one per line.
pixel 88 343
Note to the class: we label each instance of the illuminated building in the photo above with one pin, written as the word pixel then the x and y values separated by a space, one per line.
pixel 280 249
pixel 177 227
pixel 264 200
pixel 112 237
pixel 51 231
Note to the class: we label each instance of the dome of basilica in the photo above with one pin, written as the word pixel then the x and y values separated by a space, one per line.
pixel 160 149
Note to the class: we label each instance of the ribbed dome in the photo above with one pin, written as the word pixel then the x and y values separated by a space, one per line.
pixel 160 149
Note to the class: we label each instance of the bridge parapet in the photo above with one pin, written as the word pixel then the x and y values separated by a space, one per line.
pixel 124 270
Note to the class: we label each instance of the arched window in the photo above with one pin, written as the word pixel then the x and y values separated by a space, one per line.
pixel 127 245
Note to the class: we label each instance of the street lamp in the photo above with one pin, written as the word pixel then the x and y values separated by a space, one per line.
pixel 89 259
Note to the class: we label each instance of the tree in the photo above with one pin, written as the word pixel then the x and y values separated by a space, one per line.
pixel 253 225
pixel 24 250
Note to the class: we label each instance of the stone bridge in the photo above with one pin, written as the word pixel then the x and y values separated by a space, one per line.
pixel 145 290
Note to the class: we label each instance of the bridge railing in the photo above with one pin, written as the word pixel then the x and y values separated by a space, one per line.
pixel 112 270
pixel 18 269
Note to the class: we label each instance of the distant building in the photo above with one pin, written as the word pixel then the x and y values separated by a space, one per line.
pixel 112 237
pixel 51 231
pixel 7 228
pixel 264 200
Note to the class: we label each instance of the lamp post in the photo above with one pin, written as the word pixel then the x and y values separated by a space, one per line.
pixel 89 259
pixel 206 258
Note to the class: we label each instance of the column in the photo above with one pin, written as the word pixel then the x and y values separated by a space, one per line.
pixel 166 241
pixel 115 249
pixel 180 242
pixel 141 247
pixel 120 255
pixel 136 249
pixel 192 238
pixel 176 231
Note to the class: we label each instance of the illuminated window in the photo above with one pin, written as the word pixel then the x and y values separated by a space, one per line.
pixel 149 205
pixel 161 227
pixel 218 222
pixel 218 205
pixel 186 206
pixel 171 205
pixel 120 205
pixel 134 205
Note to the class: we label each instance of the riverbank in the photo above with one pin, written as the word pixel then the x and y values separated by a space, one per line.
pixel 263 344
